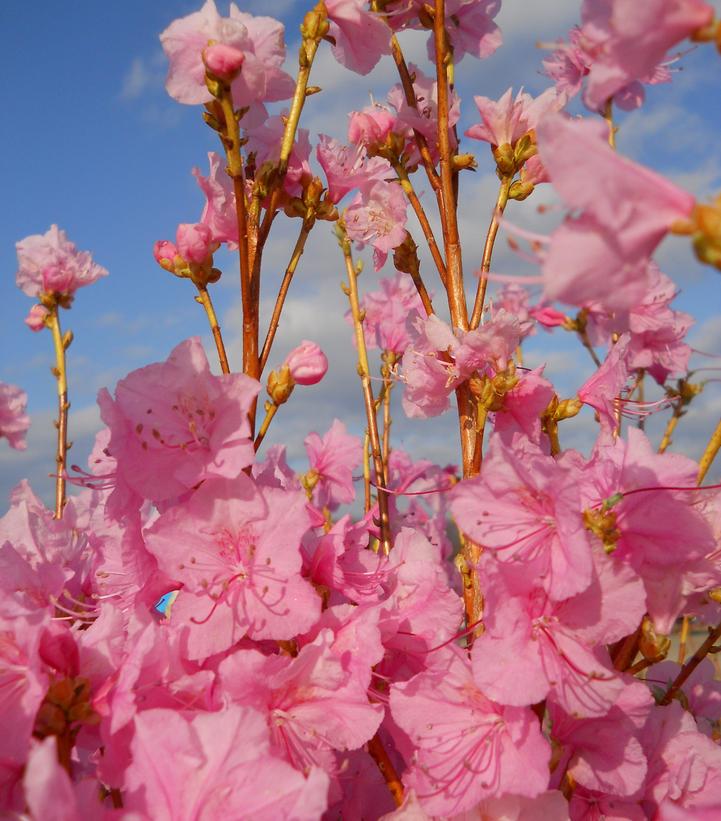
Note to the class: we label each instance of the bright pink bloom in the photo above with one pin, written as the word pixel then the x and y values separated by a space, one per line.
pixel 220 767
pixel 660 532
pixel 526 507
pixel 165 252
pixel 548 317
pixel 389 313
pixel 313 703
pixel 333 458
pixel 307 363
pixel 348 167
pixel 174 424
pixel 48 790
pixel 50 263
pixel 361 37
pixel 514 299
pixel 520 415
pixel 14 421
pixel 377 216
pixel 223 61
pixel 264 141
pixel 629 39
pixel 35 320
pixel 467 747
pixel 371 126
pixel 626 210
pixel 603 390
pixel 219 211
pixel 235 548
pixel 194 241
pixel 508 119
pixel 260 39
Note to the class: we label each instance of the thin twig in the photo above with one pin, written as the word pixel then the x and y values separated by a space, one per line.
pixel 61 377
pixel 204 299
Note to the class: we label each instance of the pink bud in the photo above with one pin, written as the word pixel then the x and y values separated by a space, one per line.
pixel 164 252
pixel 307 363
pixel 35 320
pixel 548 317
pixel 193 241
pixel 223 61
pixel 370 126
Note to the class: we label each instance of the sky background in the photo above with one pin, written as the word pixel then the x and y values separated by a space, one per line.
pixel 91 141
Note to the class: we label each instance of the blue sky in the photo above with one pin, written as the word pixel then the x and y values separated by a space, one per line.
pixel 92 142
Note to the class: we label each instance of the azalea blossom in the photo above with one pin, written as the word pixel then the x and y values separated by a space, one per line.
pixel 14 422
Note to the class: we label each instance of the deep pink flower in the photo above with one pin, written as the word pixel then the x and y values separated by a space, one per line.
pixel 224 61
pixel 333 458
pixel 260 39
pixel 219 211
pixel 702 690
pixel 193 241
pixel 526 508
pixel 520 415
pixel 164 253
pixel 307 363
pixel 235 548
pixel 361 37
pixel 14 421
pixel 547 316
pixel 174 424
pixel 220 767
pixel 50 263
pixel 467 747
pixel 377 216
pixel 625 211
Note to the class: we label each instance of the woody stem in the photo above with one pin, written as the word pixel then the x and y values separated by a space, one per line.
pixel 60 371
pixel 204 299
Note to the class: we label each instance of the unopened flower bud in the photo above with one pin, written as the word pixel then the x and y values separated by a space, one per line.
pixel 461 162
pixel 707 233
pixel 280 385
pixel 193 241
pixel 567 409
pixel 35 320
pixel 223 61
pixel 315 23
pixel 405 256
pixel 520 190
pixel 505 159
pixel 548 317
pixel 165 252
pixel 307 363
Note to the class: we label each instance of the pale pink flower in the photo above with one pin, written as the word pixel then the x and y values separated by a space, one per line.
pixel 629 39
pixel 164 253
pixel 508 119
pixel 194 242
pixel 333 458
pixel 371 126
pixel 377 216
pixel 389 311
pixel 35 320
pixel 526 508
pixel 223 61
pixel 235 548
pixel 14 421
pixel 220 767
pixel 307 363
pixel 174 424
pixel 49 791
pixel 219 211
pixel 467 748
pixel 625 211
pixel 603 390
pixel 265 139
pixel 347 167
pixel 702 690
pixel 260 39
pixel 361 37
pixel 50 263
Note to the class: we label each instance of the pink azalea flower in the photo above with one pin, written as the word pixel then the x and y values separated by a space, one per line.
pixel 174 424
pixel 307 363
pixel 48 787
pixel 701 689
pixel 658 532
pixel 389 311
pixel 14 421
pixel 235 548
pixel 194 242
pixel 264 141
pixel 35 320
pixel 603 390
pixel 223 61
pixel 467 748
pixel 361 37
pixel 50 263
pixel 514 299
pixel 520 415
pixel 333 457
pixel 630 39
pixel 377 216
pixel 260 39
pixel 371 126
pixel 547 316
pixel 626 210
pixel 313 704
pixel 508 119
pixel 526 508
pixel 219 211
pixel 220 767
pixel 348 167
